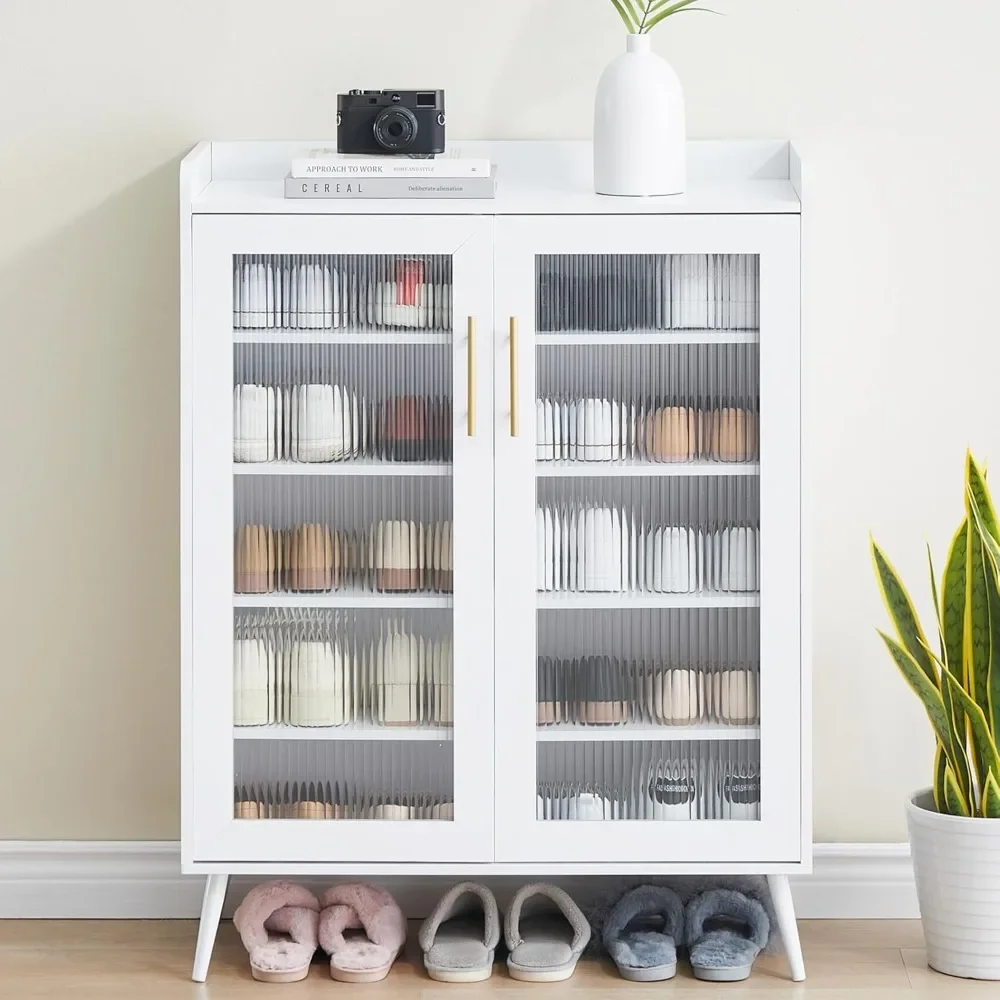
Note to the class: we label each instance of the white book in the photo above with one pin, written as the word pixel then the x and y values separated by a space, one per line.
pixel 330 163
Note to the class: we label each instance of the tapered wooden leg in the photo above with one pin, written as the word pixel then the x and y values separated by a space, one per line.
pixel 784 909
pixel 211 911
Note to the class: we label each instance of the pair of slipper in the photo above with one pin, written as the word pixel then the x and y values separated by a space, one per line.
pixel 724 931
pixel 544 930
pixel 282 924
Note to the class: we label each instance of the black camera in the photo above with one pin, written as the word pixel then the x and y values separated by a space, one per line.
pixel 391 121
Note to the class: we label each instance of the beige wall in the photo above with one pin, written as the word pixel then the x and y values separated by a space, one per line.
pixel 896 100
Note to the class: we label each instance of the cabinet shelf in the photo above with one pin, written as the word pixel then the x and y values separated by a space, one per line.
pixel 642 732
pixel 584 337
pixel 370 468
pixel 600 601
pixel 279 732
pixel 555 470
pixel 343 599
pixel 341 335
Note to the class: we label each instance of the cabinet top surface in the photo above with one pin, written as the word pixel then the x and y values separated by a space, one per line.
pixel 533 178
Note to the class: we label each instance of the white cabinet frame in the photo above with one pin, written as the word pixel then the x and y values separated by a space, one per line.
pixel 215 836
pixel 743 197
pixel 777 836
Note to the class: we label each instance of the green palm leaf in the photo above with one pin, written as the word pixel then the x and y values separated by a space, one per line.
pixel 624 9
pixel 641 16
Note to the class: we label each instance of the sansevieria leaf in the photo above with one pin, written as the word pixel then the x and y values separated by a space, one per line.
pixel 940 766
pixel 929 694
pixel 979 494
pixel 981 737
pixel 990 544
pixel 957 718
pixel 900 608
pixel 953 598
pixel 991 798
pixel 992 707
pixel 955 805
pixel 977 635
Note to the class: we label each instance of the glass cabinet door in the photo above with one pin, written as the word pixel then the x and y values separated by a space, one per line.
pixel 648 578
pixel 342 584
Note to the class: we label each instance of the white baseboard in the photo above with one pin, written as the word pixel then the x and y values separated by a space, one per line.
pixel 142 879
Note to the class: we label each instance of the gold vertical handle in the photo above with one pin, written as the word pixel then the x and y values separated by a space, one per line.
pixel 514 423
pixel 471 389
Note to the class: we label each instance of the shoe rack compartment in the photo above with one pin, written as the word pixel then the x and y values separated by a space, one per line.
pixel 628 292
pixel 307 535
pixel 694 780
pixel 689 536
pixel 640 668
pixel 664 403
pixel 326 403
pixel 337 293
pixel 346 669
pixel 343 780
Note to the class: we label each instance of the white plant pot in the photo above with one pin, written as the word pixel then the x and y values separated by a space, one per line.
pixel 639 125
pixel 956 862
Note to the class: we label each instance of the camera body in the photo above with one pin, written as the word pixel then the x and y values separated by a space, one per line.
pixel 409 122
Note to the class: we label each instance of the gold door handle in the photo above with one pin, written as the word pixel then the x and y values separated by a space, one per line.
pixel 471 390
pixel 513 377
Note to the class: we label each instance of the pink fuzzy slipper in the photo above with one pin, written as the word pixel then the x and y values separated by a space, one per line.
pixel 378 926
pixel 279 924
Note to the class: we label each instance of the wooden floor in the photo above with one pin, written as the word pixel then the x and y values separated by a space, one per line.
pixel 151 960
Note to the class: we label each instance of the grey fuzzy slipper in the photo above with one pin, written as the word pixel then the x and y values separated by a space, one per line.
pixel 459 938
pixel 545 932
pixel 726 931
pixel 642 931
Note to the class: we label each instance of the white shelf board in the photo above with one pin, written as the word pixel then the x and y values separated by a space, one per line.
pixel 644 732
pixel 340 336
pixel 571 338
pixel 533 178
pixel 343 599
pixel 569 601
pixel 389 734
pixel 367 468
pixel 554 470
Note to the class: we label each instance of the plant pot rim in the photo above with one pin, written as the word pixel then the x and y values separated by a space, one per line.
pixel 920 807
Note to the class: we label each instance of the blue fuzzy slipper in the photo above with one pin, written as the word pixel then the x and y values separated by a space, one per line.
pixel 726 931
pixel 642 931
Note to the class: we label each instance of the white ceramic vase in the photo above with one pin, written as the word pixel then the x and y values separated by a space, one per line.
pixel 956 862
pixel 639 125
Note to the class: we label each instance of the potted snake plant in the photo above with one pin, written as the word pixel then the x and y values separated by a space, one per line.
pixel 954 826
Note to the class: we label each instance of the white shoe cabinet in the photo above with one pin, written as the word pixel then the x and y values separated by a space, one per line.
pixel 492 526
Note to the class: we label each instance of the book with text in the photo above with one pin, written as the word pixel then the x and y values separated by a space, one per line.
pixel 330 163
pixel 390 187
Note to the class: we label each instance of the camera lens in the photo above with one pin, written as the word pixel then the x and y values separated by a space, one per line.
pixel 395 129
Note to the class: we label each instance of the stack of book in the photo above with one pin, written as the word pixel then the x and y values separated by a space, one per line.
pixel 325 173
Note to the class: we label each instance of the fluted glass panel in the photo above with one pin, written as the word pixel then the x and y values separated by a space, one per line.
pixel 647 536
pixel 338 293
pixel 343 674
pixel 649 667
pixel 343 780
pixel 625 292
pixel 674 780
